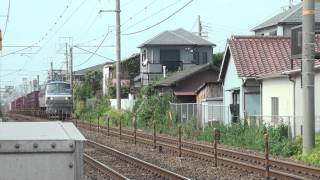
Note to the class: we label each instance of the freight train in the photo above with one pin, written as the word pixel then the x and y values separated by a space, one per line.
pixel 54 101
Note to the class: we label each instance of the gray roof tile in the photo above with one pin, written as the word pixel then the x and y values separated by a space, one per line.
pixel 293 16
pixel 181 75
pixel 176 37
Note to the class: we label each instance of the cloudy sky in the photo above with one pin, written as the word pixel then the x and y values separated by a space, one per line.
pixel 49 24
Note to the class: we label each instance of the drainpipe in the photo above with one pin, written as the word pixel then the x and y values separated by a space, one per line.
pixel 294 103
pixel 261 100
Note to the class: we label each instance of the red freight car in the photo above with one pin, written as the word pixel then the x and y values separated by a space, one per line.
pixel 32 100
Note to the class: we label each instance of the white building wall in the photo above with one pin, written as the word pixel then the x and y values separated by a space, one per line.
pixel 299 95
pixel 126 104
pixel 279 87
pixel 231 82
pixel 106 73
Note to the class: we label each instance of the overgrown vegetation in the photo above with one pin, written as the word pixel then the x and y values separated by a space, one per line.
pixel 153 107
pixel 312 157
pixel 244 136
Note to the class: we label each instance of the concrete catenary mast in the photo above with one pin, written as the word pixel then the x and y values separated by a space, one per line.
pixel 308 55
pixel 118 53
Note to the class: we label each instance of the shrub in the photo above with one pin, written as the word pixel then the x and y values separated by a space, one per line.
pixel 313 157
pixel 117 115
pixel 152 107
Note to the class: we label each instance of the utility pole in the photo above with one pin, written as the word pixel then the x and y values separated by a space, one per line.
pixel 118 53
pixel 67 64
pixel 51 69
pixel 71 75
pixel 199 27
pixel 308 55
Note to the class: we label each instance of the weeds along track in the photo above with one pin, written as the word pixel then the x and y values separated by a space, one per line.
pixel 279 169
pixel 123 166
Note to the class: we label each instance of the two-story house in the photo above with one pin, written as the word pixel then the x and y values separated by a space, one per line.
pixel 172 51
pixel 282 23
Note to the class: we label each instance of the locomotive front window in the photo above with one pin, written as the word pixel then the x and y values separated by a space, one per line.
pixel 58 88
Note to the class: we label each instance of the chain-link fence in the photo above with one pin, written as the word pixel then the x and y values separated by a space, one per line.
pixel 205 113
pixel 202 112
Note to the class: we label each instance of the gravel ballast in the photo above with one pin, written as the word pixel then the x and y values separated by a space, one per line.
pixel 190 167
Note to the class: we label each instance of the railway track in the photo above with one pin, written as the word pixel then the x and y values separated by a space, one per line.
pixel 103 168
pixel 123 166
pixel 252 163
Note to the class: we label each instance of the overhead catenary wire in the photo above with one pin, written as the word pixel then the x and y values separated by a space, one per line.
pixel 89 58
pixel 156 24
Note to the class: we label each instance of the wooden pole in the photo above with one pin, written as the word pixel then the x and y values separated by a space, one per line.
pixel 266 152
pixel 135 130
pixel 108 119
pixel 154 136
pixel 180 141
pixel 98 124
pixel 120 128
pixel 90 122
pixel 215 138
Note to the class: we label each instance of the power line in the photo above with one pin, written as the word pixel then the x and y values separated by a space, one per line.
pixel 45 35
pixel 76 10
pixel 160 21
pixel 15 52
pixel 139 12
pixel 16 71
pixel 85 23
pixel 128 3
pixel 148 17
pixel 95 53
pixel 89 58
pixel 7 20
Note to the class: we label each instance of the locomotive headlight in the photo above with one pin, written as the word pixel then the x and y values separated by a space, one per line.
pixel 50 98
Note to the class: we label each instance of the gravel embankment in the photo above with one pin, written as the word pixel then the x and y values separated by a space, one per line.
pixel 189 167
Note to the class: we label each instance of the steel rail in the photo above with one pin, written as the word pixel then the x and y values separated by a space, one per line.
pixel 276 165
pixel 189 149
pixel 103 168
pixel 140 163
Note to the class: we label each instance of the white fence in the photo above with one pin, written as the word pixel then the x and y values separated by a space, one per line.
pixel 202 112
pixel 126 104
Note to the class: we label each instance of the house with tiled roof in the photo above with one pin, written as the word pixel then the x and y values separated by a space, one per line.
pixel 171 51
pixel 186 84
pixel 282 23
pixel 260 80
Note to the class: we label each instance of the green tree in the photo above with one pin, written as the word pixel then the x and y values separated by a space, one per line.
pixel 217 58
pixel 93 81
pixel 91 87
